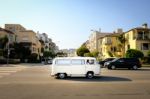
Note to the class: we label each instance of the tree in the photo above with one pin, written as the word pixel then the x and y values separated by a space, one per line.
pixel 122 41
pixel 133 53
pixel 95 53
pixel 1 52
pixel 110 54
pixel 33 57
pixel 88 55
pixel 82 50
pixel 61 54
pixel 47 54
pixel 148 53
pixel 3 41
pixel 20 51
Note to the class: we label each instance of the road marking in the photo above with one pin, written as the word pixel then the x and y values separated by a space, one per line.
pixel 5 71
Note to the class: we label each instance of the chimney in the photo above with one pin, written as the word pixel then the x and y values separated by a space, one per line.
pixel 100 30
pixel 119 30
pixel 145 25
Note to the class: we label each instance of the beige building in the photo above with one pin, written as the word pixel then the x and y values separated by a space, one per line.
pixel 138 38
pixel 93 43
pixel 26 37
pixel 110 46
pixel 9 34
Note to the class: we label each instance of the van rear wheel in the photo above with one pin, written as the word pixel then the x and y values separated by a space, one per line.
pixel 62 75
pixel 90 75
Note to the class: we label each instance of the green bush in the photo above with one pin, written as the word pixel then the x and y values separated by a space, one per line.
pixel 133 53
pixel 110 54
pixel 11 61
pixel 33 58
pixel 148 53
pixel 88 55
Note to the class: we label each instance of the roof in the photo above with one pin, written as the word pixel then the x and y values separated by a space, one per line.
pixel 137 28
pixel 74 58
pixel 10 32
pixel 113 35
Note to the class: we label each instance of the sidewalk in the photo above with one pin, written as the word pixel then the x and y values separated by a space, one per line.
pixel 145 65
pixel 22 64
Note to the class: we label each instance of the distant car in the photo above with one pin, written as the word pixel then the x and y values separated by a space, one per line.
pixel 130 63
pixel 102 63
pixel 49 61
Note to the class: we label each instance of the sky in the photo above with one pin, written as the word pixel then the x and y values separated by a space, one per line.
pixel 69 22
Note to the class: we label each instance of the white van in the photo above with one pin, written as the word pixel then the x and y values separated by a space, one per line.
pixel 75 66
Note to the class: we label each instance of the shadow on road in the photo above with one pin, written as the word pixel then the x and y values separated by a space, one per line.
pixel 98 79
pixel 125 69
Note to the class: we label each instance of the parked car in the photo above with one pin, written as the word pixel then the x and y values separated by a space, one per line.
pixel 130 63
pixel 102 63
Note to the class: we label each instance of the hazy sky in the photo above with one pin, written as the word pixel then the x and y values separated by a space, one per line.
pixel 69 22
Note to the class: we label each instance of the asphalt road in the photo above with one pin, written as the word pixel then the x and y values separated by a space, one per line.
pixel 34 82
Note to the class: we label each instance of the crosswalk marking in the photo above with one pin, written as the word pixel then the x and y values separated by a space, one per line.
pixel 5 71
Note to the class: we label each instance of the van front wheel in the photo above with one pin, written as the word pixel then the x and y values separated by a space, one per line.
pixel 62 75
pixel 90 75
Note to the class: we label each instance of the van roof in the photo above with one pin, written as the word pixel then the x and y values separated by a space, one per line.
pixel 74 58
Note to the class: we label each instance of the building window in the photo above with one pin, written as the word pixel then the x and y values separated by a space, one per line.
pixel 34 49
pixel 145 46
pixel 128 46
pixel 25 38
pixel 140 35
pixel 143 35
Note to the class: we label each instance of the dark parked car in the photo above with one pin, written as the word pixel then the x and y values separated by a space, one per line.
pixel 104 61
pixel 130 63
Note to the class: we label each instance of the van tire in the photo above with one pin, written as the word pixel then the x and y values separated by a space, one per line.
pixel 61 75
pixel 90 75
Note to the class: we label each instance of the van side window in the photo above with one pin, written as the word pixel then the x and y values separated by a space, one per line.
pixel 90 62
pixel 63 62
pixel 78 62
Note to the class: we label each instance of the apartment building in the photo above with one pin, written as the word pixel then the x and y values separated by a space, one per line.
pixel 48 44
pixel 138 38
pixel 93 43
pixel 14 28
pixel 26 37
pixel 110 46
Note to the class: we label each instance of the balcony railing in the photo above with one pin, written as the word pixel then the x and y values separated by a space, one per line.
pixel 108 43
pixel 143 38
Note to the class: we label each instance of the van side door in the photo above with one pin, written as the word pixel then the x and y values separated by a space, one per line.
pixel 78 66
